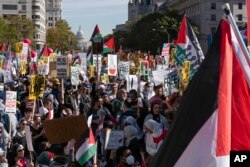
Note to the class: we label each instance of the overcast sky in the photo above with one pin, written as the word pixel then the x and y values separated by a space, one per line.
pixel 87 13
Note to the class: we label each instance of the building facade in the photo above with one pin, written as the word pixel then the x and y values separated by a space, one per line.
pixel 206 14
pixel 53 12
pixel 30 9
pixel 139 8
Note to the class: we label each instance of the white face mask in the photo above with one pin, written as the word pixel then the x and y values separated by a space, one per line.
pixel 130 160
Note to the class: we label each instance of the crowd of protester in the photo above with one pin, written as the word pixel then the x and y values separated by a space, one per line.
pixel 145 120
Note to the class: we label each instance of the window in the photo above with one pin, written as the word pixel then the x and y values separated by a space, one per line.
pixel 213 5
pixel 213 17
pixel 23 7
pixel 239 5
pixel 148 2
pixel 9 7
pixel 239 17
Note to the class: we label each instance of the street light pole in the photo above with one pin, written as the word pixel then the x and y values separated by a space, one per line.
pixel 162 30
pixel 97 40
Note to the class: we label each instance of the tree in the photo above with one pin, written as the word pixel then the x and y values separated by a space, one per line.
pixel 61 36
pixel 15 28
pixel 151 31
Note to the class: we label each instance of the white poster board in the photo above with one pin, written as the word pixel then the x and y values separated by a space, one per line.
pixel 83 57
pixel 114 139
pixel 132 82
pixel 112 64
pixel 28 138
pixel 74 76
pixel 10 104
pixel 123 68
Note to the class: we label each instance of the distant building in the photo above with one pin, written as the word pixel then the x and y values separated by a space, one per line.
pixel 207 15
pixel 139 8
pixel 82 44
pixel 30 9
pixel 53 12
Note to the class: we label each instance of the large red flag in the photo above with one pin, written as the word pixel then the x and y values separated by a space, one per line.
pixel 213 117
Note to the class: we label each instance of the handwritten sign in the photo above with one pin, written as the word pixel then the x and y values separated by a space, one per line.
pixel 114 139
pixel 10 104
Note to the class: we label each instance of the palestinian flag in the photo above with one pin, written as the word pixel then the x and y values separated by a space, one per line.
pixel 95 33
pixel 97 41
pixel 109 45
pixel 248 20
pixel 213 117
pixel 188 47
pixel 87 149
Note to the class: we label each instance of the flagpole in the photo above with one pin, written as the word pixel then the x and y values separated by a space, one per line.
pixel 229 15
pixel 244 62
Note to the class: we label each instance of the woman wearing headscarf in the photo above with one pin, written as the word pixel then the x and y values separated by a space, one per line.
pixel 157 116
pixel 154 136
pixel 20 137
pixel 131 141
pixel 132 121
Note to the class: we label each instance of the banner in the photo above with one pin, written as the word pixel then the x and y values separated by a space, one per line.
pixel 144 67
pixel 112 64
pixel 10 104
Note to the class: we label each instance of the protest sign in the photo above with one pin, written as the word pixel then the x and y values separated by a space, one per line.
pixel 37 84
pixel 74 75
pixel 62 67
pixel 144 67
pixel 112 64
pixel 123 69
pixel 28 138
pixel 10 104
pixel 114 139
pixel 64 129
pixel 83 57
